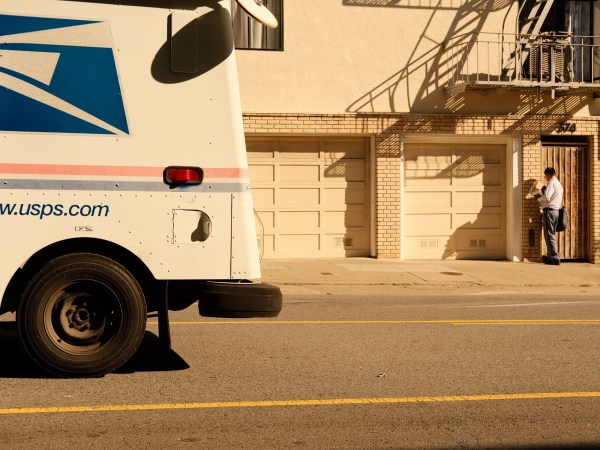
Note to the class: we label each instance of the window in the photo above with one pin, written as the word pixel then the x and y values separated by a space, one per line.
pixel 570 16
pixel 568 30
pixel 250 34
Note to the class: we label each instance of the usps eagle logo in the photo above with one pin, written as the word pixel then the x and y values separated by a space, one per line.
pixel 59 76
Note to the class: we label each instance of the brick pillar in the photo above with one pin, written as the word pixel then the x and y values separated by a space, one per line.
pixel 387 157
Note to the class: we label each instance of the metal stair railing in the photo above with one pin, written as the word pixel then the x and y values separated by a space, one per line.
pixel 556 60
pixel 531 28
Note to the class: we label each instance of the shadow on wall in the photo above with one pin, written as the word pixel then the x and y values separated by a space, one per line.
pixel 530 128
pixel 417 4
pixel 430 67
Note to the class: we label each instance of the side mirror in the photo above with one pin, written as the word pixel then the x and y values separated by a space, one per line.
pixel 258 10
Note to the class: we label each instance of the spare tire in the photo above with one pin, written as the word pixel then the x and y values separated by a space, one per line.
pixel 238 299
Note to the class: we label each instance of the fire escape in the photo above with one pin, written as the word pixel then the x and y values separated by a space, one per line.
pixel 561 62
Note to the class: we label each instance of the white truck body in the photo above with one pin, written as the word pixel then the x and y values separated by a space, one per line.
pixel 99 102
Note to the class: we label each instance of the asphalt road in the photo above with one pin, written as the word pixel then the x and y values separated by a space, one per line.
pixel 333 371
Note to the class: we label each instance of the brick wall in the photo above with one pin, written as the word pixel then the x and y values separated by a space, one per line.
pixel 387 131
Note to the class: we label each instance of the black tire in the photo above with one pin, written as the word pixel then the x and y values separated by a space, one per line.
pixel 239 299
pixel 82 315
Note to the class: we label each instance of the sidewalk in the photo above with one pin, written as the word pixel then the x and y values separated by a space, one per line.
pixel 367 275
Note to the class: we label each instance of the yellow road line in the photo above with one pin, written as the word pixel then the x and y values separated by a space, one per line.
pixel 389 322
pixel 323 402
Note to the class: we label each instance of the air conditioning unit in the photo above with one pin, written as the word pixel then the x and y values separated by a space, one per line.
pixel 541 56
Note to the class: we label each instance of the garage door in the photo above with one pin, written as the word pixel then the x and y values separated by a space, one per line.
pixel 311 196
pixel 454 202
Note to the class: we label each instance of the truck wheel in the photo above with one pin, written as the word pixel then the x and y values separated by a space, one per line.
pixel 82 315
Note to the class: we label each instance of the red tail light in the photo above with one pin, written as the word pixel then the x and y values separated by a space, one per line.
pixel 182 176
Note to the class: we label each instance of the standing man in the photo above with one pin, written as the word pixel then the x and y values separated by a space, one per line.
pixel 550 201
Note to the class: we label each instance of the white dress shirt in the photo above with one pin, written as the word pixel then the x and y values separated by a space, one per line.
pixel 552 197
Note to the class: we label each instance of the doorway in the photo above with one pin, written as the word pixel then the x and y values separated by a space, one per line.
pixel 570 160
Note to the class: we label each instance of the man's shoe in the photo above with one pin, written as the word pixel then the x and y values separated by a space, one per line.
pixel 551 261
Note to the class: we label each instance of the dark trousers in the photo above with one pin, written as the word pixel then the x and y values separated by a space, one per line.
pixel 549 221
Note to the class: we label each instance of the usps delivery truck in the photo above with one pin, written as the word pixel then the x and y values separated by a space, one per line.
pixel 123 174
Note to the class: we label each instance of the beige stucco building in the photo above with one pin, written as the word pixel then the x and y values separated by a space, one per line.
pixel 413 129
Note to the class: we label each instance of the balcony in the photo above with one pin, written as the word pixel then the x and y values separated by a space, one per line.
pixel 560 63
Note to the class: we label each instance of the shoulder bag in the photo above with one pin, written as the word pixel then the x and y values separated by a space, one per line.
pixel 563 219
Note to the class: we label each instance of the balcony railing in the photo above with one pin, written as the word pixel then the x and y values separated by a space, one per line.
pixel 556 61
